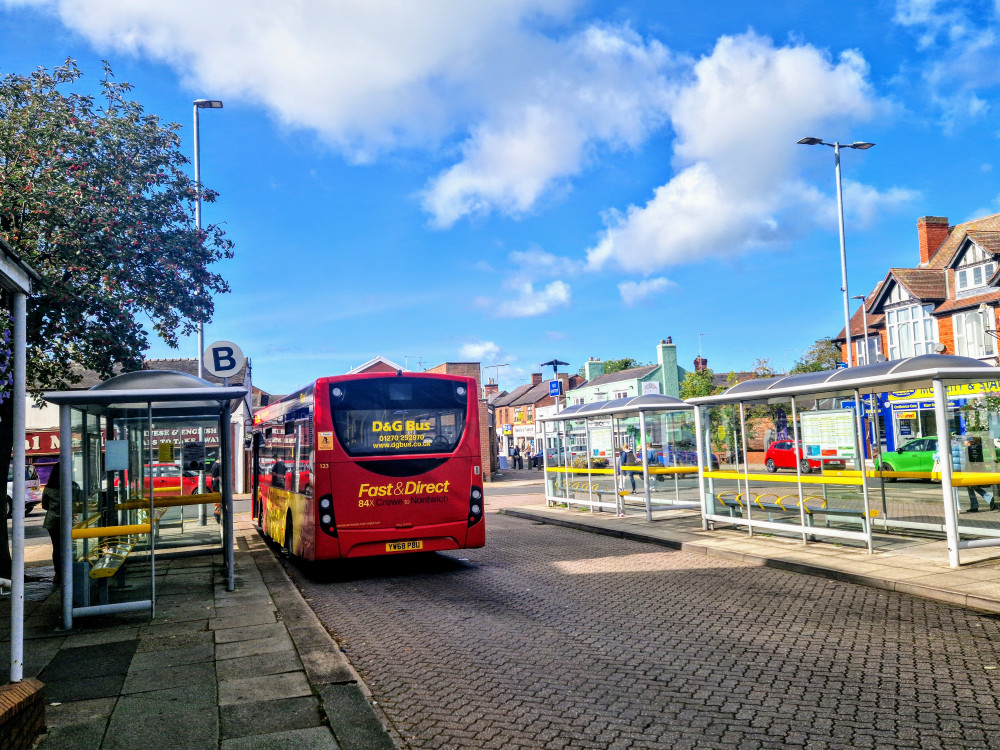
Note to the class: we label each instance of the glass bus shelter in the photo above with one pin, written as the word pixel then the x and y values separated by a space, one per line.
pixel 814 482
pixel 583 446
pixel 134 483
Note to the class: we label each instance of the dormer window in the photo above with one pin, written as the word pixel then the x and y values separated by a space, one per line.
pixel 974 277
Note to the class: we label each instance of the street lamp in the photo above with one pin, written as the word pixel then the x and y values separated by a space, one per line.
pixel 200 104
pixel 864 317
pixel 836 146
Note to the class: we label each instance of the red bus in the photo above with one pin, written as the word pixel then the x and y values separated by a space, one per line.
pixel 360 465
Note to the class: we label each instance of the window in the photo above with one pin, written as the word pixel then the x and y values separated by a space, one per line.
pixel 621 394
pixel 970 339
pixel 974 277
pixel 874 349
pixel 911 331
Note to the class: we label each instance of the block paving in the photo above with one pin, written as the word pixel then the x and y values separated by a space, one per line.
pixel 554 638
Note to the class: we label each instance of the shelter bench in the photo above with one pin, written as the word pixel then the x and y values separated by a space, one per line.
pixel 734 502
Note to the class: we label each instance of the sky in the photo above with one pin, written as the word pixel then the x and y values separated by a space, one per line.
pixel 512 181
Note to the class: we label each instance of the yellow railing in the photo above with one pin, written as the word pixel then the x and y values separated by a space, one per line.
pixel 652 470
pixel 169 501
pixel 99 531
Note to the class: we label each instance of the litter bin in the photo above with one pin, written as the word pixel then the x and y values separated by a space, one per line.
pixel 503 462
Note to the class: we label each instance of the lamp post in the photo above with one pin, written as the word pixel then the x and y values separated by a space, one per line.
pixel 836 146
pixel 864 317
pixel 198 105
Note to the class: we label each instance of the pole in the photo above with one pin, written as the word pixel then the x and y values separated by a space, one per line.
pixel 66 512
pixel 843 253
pixel 864 317
pixel 944 451
pixel 202 511
pixel 17 540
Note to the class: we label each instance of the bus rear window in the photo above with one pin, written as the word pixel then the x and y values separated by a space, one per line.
pixel 398 416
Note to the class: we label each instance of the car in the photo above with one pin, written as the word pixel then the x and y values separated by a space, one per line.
pixel 780 455
pixel 32 490
pixel 913 455
pixel 170 478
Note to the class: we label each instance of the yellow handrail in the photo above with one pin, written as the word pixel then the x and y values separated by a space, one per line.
pixel 656 470
pixel 169 501
pixel 99 531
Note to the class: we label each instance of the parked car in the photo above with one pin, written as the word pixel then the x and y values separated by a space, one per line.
pixel 913 455
pixel 781 455
pixel 169 478
pixel 32 490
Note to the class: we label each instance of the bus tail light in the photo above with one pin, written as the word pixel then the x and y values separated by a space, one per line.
pixel 324 512
pixel 475 506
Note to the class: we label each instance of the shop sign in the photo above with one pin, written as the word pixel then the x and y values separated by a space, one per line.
pixel 912 405
pixel 906 415
pixel 954 391
pixel 650 388
pixel 524 430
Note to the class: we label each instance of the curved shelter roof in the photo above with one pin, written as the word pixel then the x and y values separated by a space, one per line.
pixel 169 393
pixel 631 404
pixel 897 374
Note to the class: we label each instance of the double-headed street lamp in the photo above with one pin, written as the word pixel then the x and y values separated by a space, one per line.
pixel 198 105
pixel 836 146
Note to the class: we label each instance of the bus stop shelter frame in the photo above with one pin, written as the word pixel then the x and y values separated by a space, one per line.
pixel 203 401
pixel 629 405
pixel 931 371
pixel 16 277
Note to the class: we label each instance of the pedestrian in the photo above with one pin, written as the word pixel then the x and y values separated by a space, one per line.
pixel 278 472
pixel 516 455
pixel 215 485
pixel 630 459
pixel 960 461
pixel 51 504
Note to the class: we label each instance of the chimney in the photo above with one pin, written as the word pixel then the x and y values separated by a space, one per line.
pixel 700 364
pixel 593 368
pixel 666 358
pixel 932 231
pixel 490 388
pixel 536 378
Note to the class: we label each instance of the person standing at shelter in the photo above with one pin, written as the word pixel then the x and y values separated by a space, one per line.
pixel 52 506
pixel 960 462
pixel 516 455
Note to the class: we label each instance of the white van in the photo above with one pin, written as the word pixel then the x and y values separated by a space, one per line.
pixel 32 490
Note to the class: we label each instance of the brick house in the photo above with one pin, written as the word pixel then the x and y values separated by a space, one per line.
pixel 947 304
pixel 519 408
pixel 487 437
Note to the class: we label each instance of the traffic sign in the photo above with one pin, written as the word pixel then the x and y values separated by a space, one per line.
pixel 555 388
pixel 223 359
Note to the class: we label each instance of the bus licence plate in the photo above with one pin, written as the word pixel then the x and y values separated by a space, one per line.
pixel 402 546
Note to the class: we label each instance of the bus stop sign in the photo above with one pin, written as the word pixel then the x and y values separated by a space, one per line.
pixel 555 387
pixel 223 359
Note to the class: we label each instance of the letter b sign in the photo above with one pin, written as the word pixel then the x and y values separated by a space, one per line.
pixel 223 359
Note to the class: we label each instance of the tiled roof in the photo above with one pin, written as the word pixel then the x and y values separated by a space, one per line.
pixel 190 366
pixel 946 253
pixel 988 241
pixel 966 302
pixel 614 377
pixel 722 378
pixel 922 283
pixel 509 398
pixel 533 395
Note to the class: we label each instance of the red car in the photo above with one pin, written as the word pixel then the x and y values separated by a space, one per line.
pixel 781 456
pixel 168 478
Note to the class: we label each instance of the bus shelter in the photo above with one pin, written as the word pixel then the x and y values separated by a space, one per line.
pixel 939 484
pixel 129 490
pixel 583 447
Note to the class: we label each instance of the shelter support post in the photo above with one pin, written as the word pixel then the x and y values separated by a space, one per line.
pixel 152 515
pixel 798 470
pixel 699 431
pixel 545 463
pixel 944 451
pixel 590 478
pixel 645 464
pixel 859 442
pixel 746 467
pixel 66 511
pixel 17 535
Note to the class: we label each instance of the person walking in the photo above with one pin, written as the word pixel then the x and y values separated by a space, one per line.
pixel 53 516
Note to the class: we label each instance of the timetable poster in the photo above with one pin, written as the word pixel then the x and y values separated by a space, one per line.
pixel 828 434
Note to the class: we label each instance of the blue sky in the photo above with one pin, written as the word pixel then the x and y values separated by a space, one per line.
pixel 516 180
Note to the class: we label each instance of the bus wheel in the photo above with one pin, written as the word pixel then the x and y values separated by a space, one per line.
pixel 287 546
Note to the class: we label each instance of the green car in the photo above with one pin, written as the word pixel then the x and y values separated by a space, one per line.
pixel 913 455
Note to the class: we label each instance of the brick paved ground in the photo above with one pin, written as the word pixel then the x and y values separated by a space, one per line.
pixel 552 638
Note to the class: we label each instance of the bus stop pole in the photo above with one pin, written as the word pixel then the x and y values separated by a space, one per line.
pixel 860 443
pixel 66 512
pixel 225 450
pixel 944 451
pixel 17 553
pixel 798 470
pixel 746 467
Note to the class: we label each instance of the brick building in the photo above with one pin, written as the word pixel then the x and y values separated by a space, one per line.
pixel 487 435
pixel 514 413
pixel 946 304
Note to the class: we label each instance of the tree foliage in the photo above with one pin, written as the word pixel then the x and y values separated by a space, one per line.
pixel 617 365
pixel 93 195
pixel 698 384
pixel 824 354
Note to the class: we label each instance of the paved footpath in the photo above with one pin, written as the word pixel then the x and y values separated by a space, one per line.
pixel 553 638
pixel 251 669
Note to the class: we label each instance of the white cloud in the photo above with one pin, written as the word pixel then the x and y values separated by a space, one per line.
pixel 480 351
pixel 529 302
pixel 635 291
pixel 961 44
pixel 737 122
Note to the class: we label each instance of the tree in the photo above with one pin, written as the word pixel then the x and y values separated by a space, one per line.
pixel 617 365
pixel 824 354
pixel 701 383
pixel 94 197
